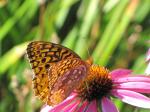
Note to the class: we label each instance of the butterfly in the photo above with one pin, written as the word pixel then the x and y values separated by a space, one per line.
pixel 57 71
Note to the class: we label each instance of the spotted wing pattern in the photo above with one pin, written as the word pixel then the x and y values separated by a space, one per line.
pixel 42 55
pixel 64 77
pixel 54 68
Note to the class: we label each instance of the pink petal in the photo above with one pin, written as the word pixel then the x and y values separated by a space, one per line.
pixel 148 55
pixel 120 73
pixel 65 103
pixel 132 98
pixel 108 105
pixel 92 107
pixel 71 107
pixel 83 106
pixel 143 87
pixel 147 71
pixel 46 108
pixel 132 79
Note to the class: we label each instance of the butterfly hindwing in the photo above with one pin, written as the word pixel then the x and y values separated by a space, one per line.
pixel 64 78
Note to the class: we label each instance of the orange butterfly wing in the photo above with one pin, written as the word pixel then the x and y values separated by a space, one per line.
pixel 64 77
pixel 50 63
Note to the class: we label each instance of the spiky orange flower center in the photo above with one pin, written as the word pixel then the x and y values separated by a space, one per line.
pixel 97 84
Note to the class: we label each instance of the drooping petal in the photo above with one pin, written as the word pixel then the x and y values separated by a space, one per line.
pixel 71 107
pixel 147 71
pixel 132 79
pixel 46 108
pixel 142 87
pixel 67 102
pixel 148 55
pixel 120 73
pixel 82 107
pixel 108 105
pixel 132 98
pixel 92 107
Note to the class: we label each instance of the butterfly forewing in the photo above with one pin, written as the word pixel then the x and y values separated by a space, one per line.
pixel 55 52
pixel 51 63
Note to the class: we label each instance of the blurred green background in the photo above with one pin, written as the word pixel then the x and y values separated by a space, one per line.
pixel 116 33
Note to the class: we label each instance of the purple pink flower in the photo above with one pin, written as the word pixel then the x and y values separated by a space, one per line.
pixel 97 90
pixel 148 55
pixel 147 71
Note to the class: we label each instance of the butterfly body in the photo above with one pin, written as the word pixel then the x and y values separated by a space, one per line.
pixel 57 71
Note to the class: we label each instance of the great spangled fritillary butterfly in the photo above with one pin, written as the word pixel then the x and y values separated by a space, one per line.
pixel 57 71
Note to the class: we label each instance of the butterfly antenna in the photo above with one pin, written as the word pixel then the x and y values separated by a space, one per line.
pixel 90 59
pixel 88 51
